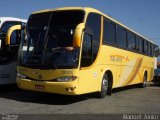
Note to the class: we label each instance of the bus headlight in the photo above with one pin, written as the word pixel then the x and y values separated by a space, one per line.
pixel 20 75
pixel 66 79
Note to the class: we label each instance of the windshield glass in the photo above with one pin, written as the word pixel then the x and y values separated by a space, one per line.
pixel 49 41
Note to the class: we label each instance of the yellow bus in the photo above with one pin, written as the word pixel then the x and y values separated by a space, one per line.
pixel 76 50
pixel 10 31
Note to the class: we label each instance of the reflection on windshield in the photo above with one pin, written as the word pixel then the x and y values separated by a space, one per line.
pixel 59 37
pixel 61 57
pixel 50 40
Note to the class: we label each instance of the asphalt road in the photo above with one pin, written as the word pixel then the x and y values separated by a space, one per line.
pixel 128 100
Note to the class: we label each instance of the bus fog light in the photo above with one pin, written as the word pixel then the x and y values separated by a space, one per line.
pixel 72 88
pixel 67 89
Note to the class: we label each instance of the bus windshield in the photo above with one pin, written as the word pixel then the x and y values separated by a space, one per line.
pixel 49 41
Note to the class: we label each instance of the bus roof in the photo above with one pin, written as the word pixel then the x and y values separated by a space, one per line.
pixel 88 9
pixel 3 19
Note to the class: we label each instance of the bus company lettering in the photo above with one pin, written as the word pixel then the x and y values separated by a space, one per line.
pixel 118 58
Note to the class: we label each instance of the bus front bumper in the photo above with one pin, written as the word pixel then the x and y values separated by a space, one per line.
pixel 65 88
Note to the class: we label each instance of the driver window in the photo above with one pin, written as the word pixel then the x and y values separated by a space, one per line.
pixel 87 51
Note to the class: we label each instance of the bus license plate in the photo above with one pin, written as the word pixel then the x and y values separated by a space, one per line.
pixel 40 87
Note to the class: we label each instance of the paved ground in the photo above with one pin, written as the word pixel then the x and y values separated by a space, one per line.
pixel 123 101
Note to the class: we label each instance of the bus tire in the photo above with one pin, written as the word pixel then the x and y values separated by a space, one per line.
pixel 144 84
pixel 105 85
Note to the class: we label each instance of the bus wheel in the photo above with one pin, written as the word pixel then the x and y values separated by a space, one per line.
pixel 104 87
pixel 144 84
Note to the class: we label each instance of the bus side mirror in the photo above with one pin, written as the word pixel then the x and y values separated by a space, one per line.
pixel 9 33
pixel 77 35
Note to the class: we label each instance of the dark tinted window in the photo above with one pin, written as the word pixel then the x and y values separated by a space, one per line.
pixel 137 44
pixel 121 37
pixel 7 25
pixel 58 25
pixel 62 25
pixel 93 28
pixel 87 50
pixel 14 43
pixel 151 50
pixel 145 47
pixel 94 23
pixel 148 49
pixel 69 18
pixel 141 45
pixel 15 37
pixel 38 21
pixel 131 41
pixel 61 18
pixel 8 53
pixel 109 33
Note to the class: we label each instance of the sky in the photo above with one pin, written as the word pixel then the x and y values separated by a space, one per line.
pixel 143 16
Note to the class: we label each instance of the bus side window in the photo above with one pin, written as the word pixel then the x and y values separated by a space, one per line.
pixel 14 43
pixel 87 51
pixel 145 47
pixel 121 37
pixel 149 49
pixel 137 44
pixel 141 45
pixel 15 37
pixel 152 50
pixel 109 36
pixel 131 41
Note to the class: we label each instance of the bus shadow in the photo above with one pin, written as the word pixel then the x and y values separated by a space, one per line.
pixel 149 84
pixel 14 93
pixel 125 88
pixel 8 88
pixel 37 97
pixel 155 84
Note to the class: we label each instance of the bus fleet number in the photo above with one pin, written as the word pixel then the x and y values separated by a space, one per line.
pixel 4 76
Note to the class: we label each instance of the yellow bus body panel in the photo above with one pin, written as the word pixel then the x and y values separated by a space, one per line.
pixel 44 78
